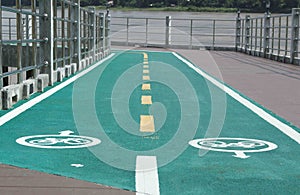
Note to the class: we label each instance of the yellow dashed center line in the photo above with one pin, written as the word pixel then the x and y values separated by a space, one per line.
pixel 146 99
pixel 147 123
pixel 146 78
pixel 145 56
pixel 146 87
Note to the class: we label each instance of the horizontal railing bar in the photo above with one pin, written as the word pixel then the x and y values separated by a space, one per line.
pixel 24 69
pixel 63 20
pixel 22 41
pixel 21 11
pixel 137 18
pixel 202 19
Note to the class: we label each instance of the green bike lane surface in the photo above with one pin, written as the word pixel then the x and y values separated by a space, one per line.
pixel 183 111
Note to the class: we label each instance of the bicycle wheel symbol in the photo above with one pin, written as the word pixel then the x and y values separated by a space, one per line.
pixel 62 141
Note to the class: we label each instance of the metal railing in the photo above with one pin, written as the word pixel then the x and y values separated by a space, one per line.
pixel 47 38
pixel 173 32
pixel 274 37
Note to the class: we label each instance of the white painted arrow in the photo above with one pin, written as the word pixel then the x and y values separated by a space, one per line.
pixel 67 132
pixel 77 165
pixel 241 155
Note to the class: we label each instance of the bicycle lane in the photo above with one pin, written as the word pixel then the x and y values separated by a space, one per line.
pixel 176 90
pixel 267 166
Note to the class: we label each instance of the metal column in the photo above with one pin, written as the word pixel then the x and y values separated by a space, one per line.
pixel 75 32
pixel 238 31
pixel 46 33
pixel 92 21
pixel 295 36
pixel 168 30
pixel 19 44
pixel 247 33
pixel 266 43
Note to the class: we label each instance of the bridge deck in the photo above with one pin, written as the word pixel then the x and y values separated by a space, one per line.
pixel 270 167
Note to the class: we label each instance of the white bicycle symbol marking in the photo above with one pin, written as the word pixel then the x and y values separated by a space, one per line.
pixel 62 141
pixel 239 146
pixel 52 141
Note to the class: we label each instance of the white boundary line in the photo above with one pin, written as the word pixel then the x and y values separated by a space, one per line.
pixel 15 112
pixel 138 50
pixel 260 112
pixel 146 175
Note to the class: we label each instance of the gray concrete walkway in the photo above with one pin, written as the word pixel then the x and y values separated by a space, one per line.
pixel 17 181
pixel 272 84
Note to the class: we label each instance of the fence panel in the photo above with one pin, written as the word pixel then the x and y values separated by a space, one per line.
pixel 174 32
pixel 45 43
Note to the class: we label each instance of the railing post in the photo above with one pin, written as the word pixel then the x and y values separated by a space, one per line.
pixel 191 35
pixel 9 28
pixel 92 37
pixel 19 44
pixel 34 36
pixel 238 31
pixel 75 32
pixel 214 35
pixel 63 35
pixel 1 79
pixel 55 34
pixel 168 29
pixel 102 33
pixel 107 33
pixel 247 33
pixel 147 31
pixel 46 33
pixel 69 34
pixel 295 36
pixel 84 32
pixel 26 30
pixel 266 43
pixel 127 31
